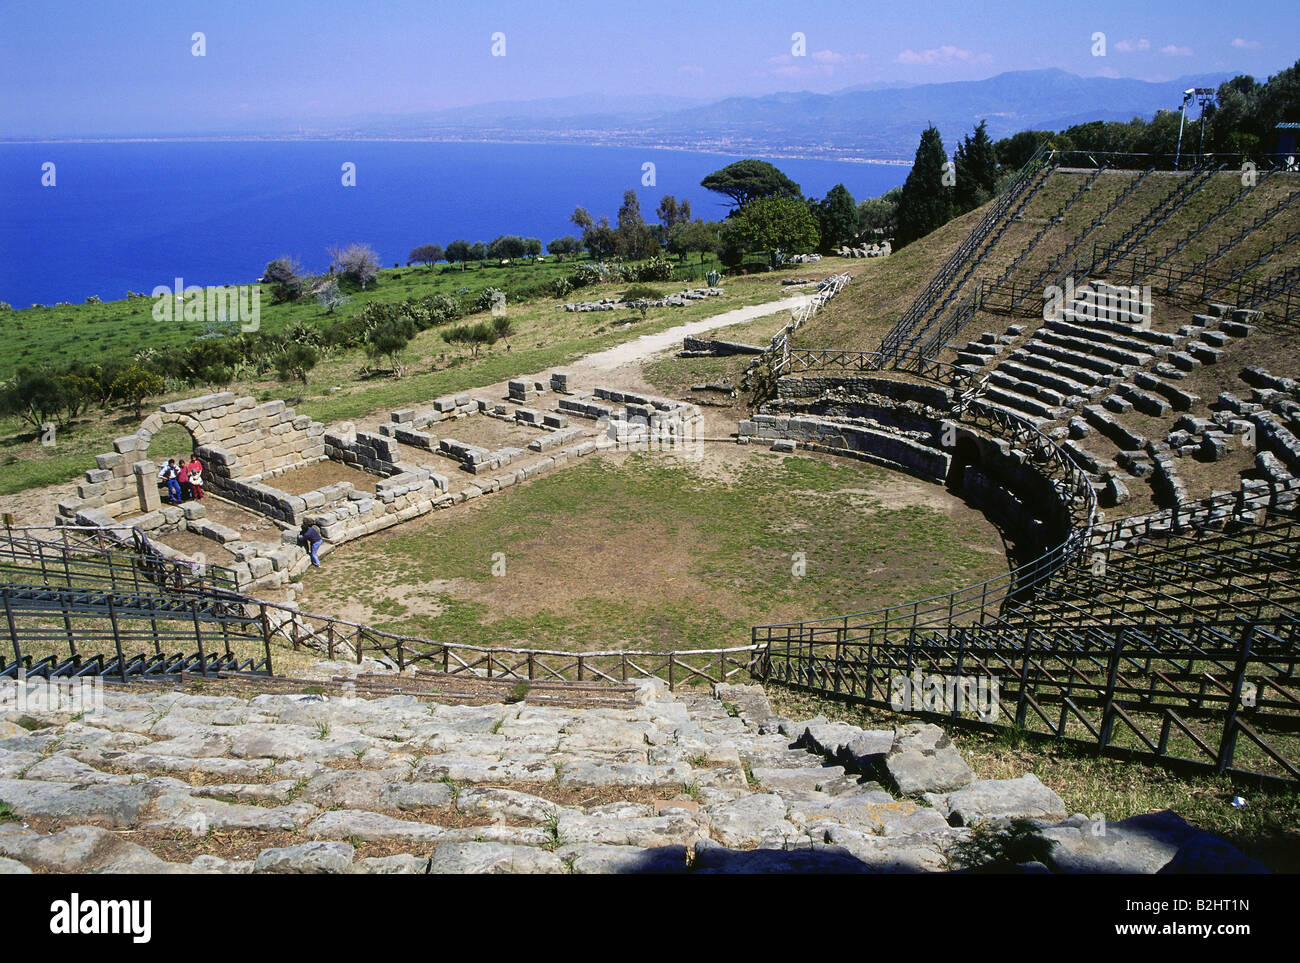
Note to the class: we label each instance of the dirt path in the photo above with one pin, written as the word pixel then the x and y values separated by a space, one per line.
pixel 631 352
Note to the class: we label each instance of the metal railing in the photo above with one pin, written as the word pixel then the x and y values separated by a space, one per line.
pixel 123 558
pixel 1198 695
pixel 941 280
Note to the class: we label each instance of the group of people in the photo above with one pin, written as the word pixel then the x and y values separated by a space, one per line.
pixel 183 479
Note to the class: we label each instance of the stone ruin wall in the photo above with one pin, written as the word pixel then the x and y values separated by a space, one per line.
pixel 234 438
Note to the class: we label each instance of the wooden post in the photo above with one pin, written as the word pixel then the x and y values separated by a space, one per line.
pixel 1112 676
pixel 67 626
pixel 198 638
pixel 266 639
pixel 839 648
pixel 1228 741
pixel 357 642
pixel 117 638
pixel 13 631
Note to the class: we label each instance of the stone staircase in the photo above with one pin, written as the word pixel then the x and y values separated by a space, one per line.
pixel 306 782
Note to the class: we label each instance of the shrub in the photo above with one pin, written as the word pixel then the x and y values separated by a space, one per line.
pixel 472 335
pixel 285 278
pixel 388 338
pixel 94 299
pixel 330 297
pixel 655 269
pixel 441 307
pixel 356 262
pixel 135 384
pixel 295 361
pixel 640 292
pixel 488 297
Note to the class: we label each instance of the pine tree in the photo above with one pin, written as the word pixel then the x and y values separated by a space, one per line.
pixel 926 203
pixel 976 162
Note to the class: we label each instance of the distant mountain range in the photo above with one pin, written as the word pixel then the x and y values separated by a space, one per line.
pixel 877 121
pixel 870 121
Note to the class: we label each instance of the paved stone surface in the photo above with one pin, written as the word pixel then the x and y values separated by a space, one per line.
pixel 707 782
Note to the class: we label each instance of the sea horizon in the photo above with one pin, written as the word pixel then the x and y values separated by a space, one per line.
pixel 134 214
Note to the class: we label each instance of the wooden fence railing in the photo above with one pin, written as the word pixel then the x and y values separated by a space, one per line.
pixel 62 631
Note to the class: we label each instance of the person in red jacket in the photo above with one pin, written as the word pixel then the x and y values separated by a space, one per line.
pixel 183 476
pixel 196 477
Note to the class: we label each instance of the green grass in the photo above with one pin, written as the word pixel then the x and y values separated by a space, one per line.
pixel 59 334
pixel 345 385
pixel 652 554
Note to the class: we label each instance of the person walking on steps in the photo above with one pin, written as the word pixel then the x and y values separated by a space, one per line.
pixel 310 539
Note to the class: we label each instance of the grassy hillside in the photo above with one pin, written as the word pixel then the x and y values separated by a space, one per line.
pixel 346 384
pixel 861 314
pixel 69 332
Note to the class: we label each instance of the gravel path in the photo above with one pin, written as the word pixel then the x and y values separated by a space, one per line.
pixel 649 344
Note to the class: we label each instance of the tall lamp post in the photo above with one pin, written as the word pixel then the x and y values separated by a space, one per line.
pixel 1188 94
pixel 1204 96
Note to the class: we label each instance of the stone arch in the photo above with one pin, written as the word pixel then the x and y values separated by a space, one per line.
pixel 154 423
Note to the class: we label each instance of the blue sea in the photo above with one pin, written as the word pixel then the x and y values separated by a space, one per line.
pixel 130 216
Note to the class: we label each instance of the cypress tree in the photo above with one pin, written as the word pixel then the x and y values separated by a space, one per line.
pixel 926 203
pixel 837 217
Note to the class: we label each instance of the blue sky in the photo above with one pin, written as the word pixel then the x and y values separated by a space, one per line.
pixel 69 68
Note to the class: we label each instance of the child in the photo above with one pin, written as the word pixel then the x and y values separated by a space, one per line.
pixel 196 478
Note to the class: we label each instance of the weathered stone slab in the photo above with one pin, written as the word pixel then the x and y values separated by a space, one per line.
pixel 316 857
pixel 923 759
pixel 1023 798
pixel 494 858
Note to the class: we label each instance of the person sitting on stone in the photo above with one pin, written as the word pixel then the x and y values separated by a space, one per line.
pixel 167 474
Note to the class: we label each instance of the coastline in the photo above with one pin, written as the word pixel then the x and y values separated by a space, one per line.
pixel 780 153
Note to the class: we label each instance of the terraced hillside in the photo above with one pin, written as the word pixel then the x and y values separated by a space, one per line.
pixel 1193 235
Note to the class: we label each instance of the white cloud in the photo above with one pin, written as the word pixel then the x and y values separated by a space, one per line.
pixel 1133 46
pixel 832 57
pixel 820 63
pixel 1173 50
pixel 947 54
pixel 1241 44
